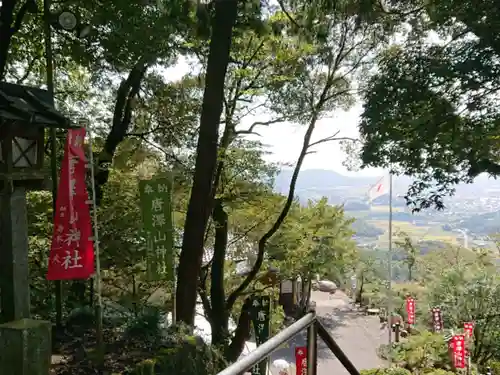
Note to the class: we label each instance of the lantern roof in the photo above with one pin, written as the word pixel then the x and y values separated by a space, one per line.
pixel 29 106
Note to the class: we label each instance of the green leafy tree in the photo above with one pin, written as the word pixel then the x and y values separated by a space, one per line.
pixel 314 240
pixel 409 250
pixel 431 107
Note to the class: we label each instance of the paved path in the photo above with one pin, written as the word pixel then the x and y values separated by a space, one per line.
pixel 358 336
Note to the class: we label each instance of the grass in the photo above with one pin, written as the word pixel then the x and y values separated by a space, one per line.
pixel 425 233
pixel 432 232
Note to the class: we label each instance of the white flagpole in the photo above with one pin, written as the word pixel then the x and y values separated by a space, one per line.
pixel 389 273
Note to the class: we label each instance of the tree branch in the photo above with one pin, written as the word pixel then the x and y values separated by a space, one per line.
pixel 333 138
pixel 245 233
pixel 288 15
pixel 20 16
pixel 28 70
pixel 386 10
pixel 279 221
pixel 250 130
pixel 122 117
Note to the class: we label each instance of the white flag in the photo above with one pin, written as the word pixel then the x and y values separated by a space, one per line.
pixel 379 189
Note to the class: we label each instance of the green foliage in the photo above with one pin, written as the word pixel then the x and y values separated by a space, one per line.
pixel 428 111
pixel 298 62
pixel 181 353
pixel 386 371
pixel 467 295
pixel 365 229
pixel 495 367
pixel 186 354
pixel 439 371
pixel 146 326
pixel 146 367
pixel 420 353
pixel 314 240
pixel 409 250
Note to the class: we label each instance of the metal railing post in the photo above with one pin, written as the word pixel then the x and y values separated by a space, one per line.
pixel 312 347
pixel 314 329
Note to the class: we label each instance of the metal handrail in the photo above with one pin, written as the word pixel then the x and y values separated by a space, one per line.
pixel 269 346
pixel 314 328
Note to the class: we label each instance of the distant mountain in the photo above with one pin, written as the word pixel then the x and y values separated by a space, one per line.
pixel 317 183
pixel 338 188
pixel 483 224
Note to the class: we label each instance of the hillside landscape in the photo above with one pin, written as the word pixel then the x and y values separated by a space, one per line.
pixel 474 209
pixel 146 226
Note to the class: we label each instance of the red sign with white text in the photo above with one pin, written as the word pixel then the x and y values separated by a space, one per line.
pixel 457 346
pixel 437 319
pixel 301 360
pixel 469 329
pixel 72 251
pixel 410 310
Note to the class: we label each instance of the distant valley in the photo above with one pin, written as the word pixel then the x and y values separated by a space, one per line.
pixel 473 210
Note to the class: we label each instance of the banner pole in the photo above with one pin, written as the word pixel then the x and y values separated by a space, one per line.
pixel 171 229
pixel 98 280
pixel 389 272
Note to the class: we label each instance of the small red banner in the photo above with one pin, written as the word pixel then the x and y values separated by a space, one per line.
pixel 301 360
pixel 410 310
pixel 457 346
pixel 469 329
pixel 437 319
pixel 72 251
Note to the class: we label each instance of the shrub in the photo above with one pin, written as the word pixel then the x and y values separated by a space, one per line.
pixel 146 327
pixel 495 367
pixel 386 371
pixel 438 371
pixel 146 367
pixel 181 353
pixel 420 353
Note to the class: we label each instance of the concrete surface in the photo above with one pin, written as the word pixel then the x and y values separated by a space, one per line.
pixel 358 336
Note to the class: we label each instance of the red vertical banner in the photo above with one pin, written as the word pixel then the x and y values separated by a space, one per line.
pixel 457 346
pixel 469 329
pixel 410 310
pixel 301 360
pixel 72 251
pixel 437 319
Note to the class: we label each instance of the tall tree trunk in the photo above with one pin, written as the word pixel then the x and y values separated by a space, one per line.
pixel 199 207
pixel 242 333
pixel 8 27
pixel 122 117
pixel 220 315
pixel 359 295
pixel 6 32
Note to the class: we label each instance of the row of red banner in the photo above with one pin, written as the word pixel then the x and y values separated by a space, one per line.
pixel 457 344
